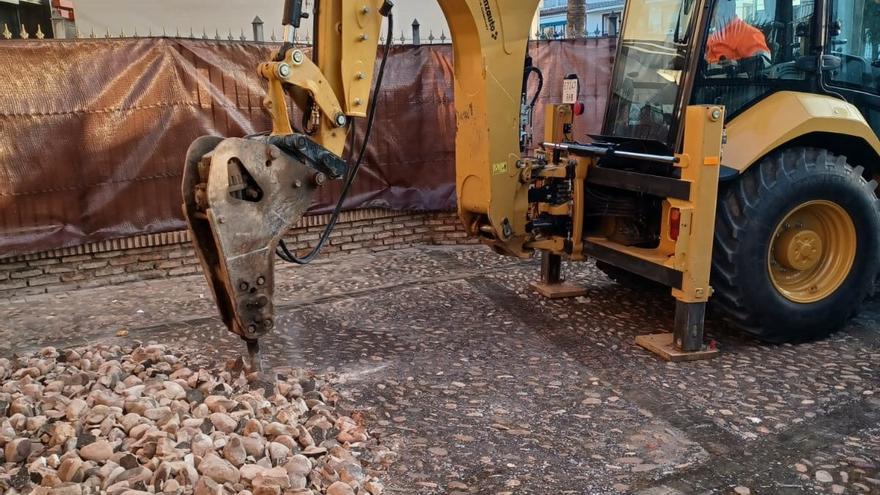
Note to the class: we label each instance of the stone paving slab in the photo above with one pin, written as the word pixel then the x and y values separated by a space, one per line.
pixel 481 386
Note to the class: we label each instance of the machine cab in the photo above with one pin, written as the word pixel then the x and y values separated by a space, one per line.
pixel 736 53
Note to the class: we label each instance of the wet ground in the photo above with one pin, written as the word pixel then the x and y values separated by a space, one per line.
pixel 481 386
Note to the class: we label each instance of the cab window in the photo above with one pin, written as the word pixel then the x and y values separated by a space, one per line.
pixel 752 49
pixel 854 37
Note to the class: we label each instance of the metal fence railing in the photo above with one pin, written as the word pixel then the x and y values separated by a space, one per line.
pixel 413 36
pixel 256 33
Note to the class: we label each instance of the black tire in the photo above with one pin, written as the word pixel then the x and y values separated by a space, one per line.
pixel 749 211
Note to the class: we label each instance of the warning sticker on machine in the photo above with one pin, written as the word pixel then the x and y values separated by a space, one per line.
pixel 499 168
pixel 569 91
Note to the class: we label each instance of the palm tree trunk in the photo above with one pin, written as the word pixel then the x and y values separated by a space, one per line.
pixel 576 22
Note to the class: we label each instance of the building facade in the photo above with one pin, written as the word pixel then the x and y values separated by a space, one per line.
pixel 603 18
pixel 37 19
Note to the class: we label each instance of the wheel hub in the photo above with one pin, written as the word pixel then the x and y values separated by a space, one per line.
pixel 799 249
pixel 812 251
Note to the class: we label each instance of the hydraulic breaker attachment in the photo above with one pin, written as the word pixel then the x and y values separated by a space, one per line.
pixel 240 196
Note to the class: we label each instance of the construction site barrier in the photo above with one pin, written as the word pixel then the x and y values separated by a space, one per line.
pixel 93 133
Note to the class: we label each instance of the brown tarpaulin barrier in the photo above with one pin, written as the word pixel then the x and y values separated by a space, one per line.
pixel 93 133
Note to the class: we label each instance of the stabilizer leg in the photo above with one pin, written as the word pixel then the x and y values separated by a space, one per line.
pixel 551 285
pixel 688 331
pixel 693 249
pixel 685 343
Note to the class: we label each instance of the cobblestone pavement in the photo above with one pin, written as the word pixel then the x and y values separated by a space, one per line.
pixel 480 386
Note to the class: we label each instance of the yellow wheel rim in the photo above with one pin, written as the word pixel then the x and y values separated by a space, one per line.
pixel 812 251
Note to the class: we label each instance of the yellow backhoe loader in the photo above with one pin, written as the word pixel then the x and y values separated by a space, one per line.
pixel 788 88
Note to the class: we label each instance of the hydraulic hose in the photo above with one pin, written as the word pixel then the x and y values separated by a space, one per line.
pixel 283 252
pixel 540 85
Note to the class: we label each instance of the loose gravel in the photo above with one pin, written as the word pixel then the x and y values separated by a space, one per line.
pixel 146 419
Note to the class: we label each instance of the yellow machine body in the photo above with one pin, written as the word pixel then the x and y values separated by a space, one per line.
pixel 493 178
pixel 489 44
pixel 785 116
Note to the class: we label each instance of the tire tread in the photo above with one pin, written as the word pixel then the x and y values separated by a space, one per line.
pixel 740 202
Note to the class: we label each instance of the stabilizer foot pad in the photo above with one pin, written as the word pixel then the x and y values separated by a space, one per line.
pixel 661 345
pixel 559 291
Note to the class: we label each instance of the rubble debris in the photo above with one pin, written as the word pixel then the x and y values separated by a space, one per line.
pixel 145 419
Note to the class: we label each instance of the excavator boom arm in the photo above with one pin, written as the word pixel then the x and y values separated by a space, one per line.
pixel 242 195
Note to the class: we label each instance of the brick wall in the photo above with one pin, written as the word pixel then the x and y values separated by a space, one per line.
pixel 172 255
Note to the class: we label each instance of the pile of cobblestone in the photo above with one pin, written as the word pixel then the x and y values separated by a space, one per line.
pixel 143 419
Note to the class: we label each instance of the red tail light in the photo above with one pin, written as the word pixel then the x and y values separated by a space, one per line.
pixel 674 223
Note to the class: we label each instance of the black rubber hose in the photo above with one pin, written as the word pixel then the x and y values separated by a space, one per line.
pixel 283 252
pixel 540 85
